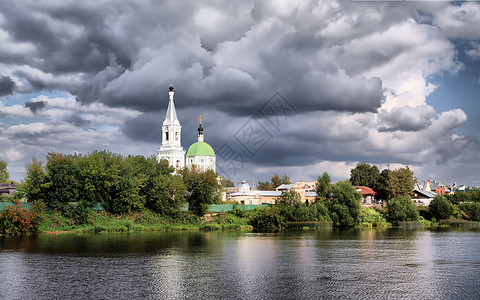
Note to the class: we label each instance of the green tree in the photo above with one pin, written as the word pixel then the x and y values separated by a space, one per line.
pixel 167 194
pixel 344 204
pixel 364 175
pixel 265 186
pixel 4 176
pixel 202 189
pixel 440 207
pixel 289 198
pixel 401 209
pixel 324 184
pixel 62 184
pixel 399 182
pixel 35 182
pixel 471 210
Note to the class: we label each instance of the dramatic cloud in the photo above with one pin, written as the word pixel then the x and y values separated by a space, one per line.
pixel 35 106
pixel 6 85
pixel 356 76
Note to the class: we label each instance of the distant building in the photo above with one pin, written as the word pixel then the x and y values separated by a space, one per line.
pixel 249 196
pixel 422 198
pixel 7 190
pixel 368 196
pixel 307 190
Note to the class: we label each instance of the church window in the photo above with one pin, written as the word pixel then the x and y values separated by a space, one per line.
pixel 166 135
pixel 201 161
pixel 176 136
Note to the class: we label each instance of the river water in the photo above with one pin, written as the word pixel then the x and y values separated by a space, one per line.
pixel 323 264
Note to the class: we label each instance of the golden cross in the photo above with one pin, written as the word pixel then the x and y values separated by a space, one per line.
pixel 200 118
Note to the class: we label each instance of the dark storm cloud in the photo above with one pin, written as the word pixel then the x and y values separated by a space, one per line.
pixel 223 65
pixel 6 85
pixel 35 106
pixel 145 127
pixel 78 121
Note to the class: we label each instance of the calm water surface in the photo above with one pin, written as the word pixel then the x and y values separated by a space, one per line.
pixel 330 264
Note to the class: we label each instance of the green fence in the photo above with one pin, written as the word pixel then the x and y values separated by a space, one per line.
pixel 26 205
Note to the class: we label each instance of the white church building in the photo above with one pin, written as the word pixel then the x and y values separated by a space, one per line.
pixel 199 154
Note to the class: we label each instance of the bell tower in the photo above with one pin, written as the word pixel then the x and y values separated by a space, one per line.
pixel 171 148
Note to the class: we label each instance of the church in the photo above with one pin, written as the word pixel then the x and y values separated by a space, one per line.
pixel 199 154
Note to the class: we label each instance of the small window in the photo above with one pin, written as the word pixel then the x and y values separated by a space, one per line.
pixel 176 136
pixel 202 160
pixel 166 136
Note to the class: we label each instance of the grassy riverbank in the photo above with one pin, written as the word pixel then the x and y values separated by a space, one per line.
pixel 146 220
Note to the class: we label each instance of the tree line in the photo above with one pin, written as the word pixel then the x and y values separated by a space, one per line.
pixel 121 183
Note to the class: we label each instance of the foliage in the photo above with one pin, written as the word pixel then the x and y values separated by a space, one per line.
pixel 471 210
pixel 344 204
pixel 35 182
pixel 440 208
pixel 4 176
pixel 224 182
pixel 274 182
pixel 464 196
pixel 401 209
pixel 269 219
pixel 202 187
pixel 289 198
pixel 395 183
pixel 324 184
pixel 364 175
pixel 372 217
pixel 16 220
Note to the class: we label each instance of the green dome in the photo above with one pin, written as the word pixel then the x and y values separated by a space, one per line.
pixel 200 148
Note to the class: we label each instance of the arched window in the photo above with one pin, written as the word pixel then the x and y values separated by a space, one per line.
pixel 166 135
pixel 176 136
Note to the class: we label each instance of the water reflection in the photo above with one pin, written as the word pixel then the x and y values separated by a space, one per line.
pixel 350 264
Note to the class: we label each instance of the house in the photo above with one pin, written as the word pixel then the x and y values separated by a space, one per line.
pixel 249 196
pixel 307 190
pixel 7 190
pixel 368 196
pixel 423 198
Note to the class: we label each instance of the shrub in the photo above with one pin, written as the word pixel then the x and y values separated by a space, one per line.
pixel 15 219
pixel 401 209
pixel 472 210
pixel 441 208
pixel 268 219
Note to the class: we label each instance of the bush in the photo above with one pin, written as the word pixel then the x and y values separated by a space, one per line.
pixel 268 219
pixel 372 217
pixel 401 209
pixel 472 210
pixel 16 220
pixel 441 208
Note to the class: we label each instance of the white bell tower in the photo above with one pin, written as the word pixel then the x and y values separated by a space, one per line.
pixel 171 148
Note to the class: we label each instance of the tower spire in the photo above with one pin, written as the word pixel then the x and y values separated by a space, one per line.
pixel 200 129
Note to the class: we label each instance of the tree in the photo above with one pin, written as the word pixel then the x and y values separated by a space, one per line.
pixel 401 209
pixel 4 176
pixel 202 189
pixel 275 181
pixel 34 184
pixel 440 207
pixel 364 175
pixel 399 182
pixel 289 198
pixel 166 194
pixel 62 183
pixel 344 204
pixel 323 187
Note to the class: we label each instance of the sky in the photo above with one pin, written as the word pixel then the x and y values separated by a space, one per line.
pixel 289 87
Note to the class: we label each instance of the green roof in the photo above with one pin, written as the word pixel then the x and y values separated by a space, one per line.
pixel 200 148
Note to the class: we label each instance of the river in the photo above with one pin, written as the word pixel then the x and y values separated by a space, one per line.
pixel 322 264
